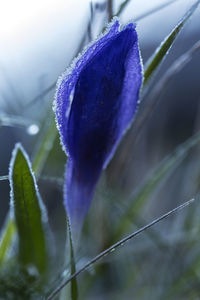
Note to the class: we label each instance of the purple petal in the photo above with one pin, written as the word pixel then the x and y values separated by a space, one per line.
pixel 96 103
pixel 67 82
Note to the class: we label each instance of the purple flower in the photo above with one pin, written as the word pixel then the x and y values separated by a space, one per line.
pixel 96 101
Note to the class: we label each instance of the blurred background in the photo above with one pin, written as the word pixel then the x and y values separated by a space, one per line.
pixel 38 41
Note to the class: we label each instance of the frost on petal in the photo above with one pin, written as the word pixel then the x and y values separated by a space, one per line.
pixel 78 193
pixel 105 101
pixel 96 103
pixel 66 83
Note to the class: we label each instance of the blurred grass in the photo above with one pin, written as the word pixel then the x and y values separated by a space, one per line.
pixel 154 62
pixel 6 240
pixel 152 183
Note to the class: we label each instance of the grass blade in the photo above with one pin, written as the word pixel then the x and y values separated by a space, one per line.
pixel 29 215
pixel 117 245
pixel 122 7
pixel 15 121
pixel 154 97
pixel 45 143
pixel 176 67
pixel 145 14
pixel 110 9
pixel 44 146
pixel 153 180
pixel 8 232
pixel 154 10
pixel 4 178
pixel 161 52
pixel 74 285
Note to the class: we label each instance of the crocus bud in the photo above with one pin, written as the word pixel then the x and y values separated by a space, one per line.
pixel 96 101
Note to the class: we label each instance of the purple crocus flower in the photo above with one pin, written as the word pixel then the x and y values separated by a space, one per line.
pixel 96 101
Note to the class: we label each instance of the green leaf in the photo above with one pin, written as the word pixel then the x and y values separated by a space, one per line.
pixel 161 52
pixel 7 235
pixel 43 148
pixel 28 211
pixel 152 182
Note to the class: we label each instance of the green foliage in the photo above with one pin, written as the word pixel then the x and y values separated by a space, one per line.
pixel 45 143
pixel 28 212
pixel 17 283
pixel 8 232
pixel 160 53
pixel 152 183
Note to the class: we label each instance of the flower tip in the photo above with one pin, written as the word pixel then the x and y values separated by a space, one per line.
pixel 113 26
pixel 130 26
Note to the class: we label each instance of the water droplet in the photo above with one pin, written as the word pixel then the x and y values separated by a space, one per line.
pixel 32 270
pixel 33 129
pixel 65 273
